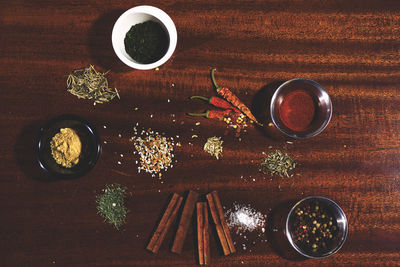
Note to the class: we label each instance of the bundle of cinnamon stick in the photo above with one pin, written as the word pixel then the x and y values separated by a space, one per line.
pixel 203 240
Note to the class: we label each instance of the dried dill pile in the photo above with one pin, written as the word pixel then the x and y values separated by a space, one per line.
pixel 90 84
pixel 279 163
pixel 111 206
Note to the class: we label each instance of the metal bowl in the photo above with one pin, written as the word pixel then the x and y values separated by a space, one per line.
pixel 322 101
pixel 90 146
pixel 338 215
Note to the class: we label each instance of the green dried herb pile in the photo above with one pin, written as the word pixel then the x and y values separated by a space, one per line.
pixel 146 42
pixel 111 206
pixel 278 163
pixel 88 83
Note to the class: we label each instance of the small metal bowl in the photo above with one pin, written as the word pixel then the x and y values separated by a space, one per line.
pixel 323 110
pixel 90 146
pixel 337 214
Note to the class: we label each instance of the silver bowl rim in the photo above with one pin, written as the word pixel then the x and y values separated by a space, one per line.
pixel 293 135
pixel 344 234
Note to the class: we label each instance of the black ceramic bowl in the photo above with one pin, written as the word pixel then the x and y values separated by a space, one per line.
pixel 90 146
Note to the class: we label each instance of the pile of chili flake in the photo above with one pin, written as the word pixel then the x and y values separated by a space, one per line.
pixel 155 150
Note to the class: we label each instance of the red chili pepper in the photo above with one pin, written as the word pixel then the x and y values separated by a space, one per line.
pixel 213 114
pixel 217 102
pixel 233 99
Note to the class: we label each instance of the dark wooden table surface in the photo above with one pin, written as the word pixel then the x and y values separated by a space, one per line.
pixel 352 48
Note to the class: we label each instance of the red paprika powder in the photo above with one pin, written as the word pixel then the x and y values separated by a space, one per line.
pixel 297 110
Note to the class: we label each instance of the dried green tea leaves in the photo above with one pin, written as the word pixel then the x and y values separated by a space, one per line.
pixel 278 163
pixel 111 206
pixel 214 146
pixel 90 84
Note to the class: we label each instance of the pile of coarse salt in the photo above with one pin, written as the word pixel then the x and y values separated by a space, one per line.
pixel 243 218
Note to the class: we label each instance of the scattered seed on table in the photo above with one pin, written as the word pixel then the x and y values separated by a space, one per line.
pixel 155 151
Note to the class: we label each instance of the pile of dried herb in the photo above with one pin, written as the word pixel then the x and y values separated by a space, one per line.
pixel 278 163
pixel 146 42
pixel 90 84
pixel 111 206
pixel 214 146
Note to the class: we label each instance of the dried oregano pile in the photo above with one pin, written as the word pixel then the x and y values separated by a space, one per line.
pixel 278 163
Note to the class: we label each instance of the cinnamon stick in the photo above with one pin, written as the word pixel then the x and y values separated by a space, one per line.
pixel 217 214
pixel 206 236
pixel 184 222
pixel 203 242
pixel 200 229
pixel 218 226
pixel 166 221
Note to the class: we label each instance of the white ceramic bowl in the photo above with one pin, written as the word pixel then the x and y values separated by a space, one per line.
pixel 137 15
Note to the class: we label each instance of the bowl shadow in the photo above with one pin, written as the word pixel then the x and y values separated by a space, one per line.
pixel 260 107
pixel 25 151
pixel 100 44
pixel 276 232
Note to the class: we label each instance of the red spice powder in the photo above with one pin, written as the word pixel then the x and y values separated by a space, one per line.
pixel 297 110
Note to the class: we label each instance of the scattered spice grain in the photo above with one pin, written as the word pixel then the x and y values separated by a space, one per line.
pixel 155 150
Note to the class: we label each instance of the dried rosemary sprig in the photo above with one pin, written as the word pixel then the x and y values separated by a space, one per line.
pixel 214 146
pixel 111 206
pixel 279 163
pixel 90 84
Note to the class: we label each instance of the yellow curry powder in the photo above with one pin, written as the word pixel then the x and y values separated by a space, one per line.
pixel 66 147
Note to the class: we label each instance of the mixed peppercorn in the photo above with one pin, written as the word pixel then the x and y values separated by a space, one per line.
pixel 313 227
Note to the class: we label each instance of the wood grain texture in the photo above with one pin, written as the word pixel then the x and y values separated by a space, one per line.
pixel 350 47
